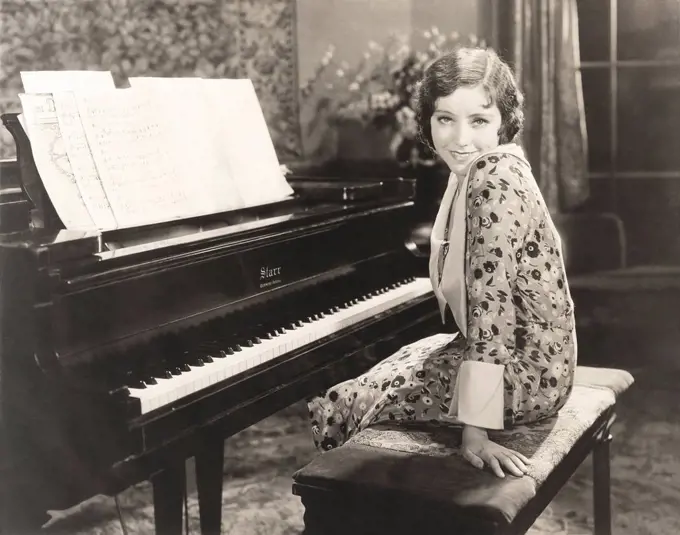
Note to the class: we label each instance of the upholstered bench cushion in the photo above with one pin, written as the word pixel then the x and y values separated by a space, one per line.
pixel 421 464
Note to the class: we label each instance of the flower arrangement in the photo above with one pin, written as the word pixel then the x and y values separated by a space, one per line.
pixel 380 88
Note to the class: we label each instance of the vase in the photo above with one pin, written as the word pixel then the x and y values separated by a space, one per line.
pixel 363 141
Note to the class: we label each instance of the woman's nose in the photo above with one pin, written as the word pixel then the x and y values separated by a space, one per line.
pixel 462 135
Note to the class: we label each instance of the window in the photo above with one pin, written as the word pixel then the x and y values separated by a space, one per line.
pixel 630 68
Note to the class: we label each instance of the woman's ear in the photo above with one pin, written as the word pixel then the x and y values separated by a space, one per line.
pixel 507 133
pixel 503 135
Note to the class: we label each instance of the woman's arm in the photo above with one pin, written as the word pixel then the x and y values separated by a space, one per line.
pixel 498 218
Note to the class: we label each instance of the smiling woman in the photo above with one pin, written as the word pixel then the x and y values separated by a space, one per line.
pixel 464 124
pixel 468 103
pixel 497 271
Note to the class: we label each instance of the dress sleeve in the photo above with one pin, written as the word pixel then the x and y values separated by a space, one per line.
pixel 498 217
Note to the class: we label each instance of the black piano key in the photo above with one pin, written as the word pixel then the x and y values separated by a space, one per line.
pixel 233 336
pixel 136 375
pixel 164 357
pixel 120 391
pixel 193 358
pixel 206 351
pixel 216 354
pixel 135 383
pixel 162 373
pixel 175 367
pixel 214 348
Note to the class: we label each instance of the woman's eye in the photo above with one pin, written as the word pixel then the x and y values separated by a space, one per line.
pixel 479 121
pixel 442 119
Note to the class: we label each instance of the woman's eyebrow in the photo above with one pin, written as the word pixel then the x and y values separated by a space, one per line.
pixel 484 111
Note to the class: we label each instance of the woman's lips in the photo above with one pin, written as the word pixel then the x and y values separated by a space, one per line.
pixel 461 156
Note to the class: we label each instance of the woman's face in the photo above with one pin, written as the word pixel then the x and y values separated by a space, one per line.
pixel 464 124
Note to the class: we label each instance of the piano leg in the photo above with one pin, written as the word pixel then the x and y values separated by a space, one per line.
pixel 168 499
pixel 209 476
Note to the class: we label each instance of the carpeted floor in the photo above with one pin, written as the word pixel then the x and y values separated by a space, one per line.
pixel 260 462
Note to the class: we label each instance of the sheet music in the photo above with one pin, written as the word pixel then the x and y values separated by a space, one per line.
pixel 134 159
pixel 82 163
pixel 190 121
pixel 52 81
pixel 247 142
pixel 163 149
pixel 51 160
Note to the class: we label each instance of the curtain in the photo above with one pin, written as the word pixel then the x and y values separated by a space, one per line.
pixel 545 52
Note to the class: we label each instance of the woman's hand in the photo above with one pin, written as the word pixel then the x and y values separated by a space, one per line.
pixel 478 450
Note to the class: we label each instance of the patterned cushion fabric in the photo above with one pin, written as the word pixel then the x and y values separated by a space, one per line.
pixel 420 462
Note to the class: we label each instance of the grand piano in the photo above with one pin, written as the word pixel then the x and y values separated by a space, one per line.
pixel 126 352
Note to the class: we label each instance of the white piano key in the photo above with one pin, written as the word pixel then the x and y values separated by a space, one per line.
pixel 168 391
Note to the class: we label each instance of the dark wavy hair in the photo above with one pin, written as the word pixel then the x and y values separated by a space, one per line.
pixel 468 67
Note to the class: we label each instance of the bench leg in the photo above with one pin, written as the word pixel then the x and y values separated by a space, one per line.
pixel 601 484
pixel 318 520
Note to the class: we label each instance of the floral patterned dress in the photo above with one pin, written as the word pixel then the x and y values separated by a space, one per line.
pixel 519 315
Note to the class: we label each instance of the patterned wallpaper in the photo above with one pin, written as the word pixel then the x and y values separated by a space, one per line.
pixel 211 38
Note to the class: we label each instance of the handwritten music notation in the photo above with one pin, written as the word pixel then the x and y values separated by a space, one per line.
pixel 116 158
pixel 82 162
pixel 52 161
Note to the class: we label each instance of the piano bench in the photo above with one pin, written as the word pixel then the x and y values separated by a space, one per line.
pixel 410 478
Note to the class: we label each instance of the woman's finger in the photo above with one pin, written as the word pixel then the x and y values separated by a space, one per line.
pixel 473 459
pixel 495 466
pixel 515 459
pixel 520 464
pixel 510 465
pixel 521 457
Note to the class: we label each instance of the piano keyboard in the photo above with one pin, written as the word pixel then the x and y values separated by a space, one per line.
pixel 172 388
